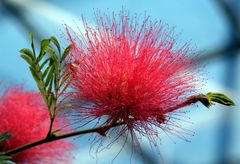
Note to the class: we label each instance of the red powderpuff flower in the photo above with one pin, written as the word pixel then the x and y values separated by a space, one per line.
pixel 24 115
pixel 131 73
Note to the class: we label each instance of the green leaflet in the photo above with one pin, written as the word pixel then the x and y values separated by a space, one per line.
pixel 4 159
pixel 56 43
pixel 65 53
pixel 5 136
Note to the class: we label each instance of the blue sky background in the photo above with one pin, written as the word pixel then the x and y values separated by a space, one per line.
pixel 203 23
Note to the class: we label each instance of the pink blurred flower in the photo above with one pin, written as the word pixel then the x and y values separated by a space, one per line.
pixel 24 115
pixel 131 73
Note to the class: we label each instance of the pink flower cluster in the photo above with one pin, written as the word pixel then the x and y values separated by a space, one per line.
pixel 25 116
pixel 131 73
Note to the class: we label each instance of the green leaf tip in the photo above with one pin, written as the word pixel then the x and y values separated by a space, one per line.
pixel 220 98
pixel 211 98
pixel 31 36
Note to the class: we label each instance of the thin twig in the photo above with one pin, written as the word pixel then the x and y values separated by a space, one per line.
pixel 55 137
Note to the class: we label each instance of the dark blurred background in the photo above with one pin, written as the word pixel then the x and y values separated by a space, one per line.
pixel 213 28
